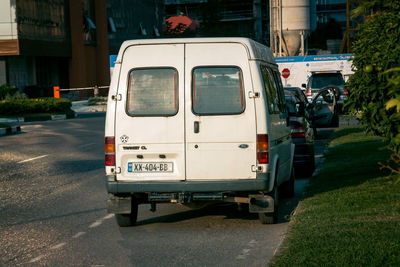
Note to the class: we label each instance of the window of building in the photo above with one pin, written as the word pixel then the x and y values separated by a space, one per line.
pixel 111 25
pixel 156 31
pixel 89 25
pixel 142 29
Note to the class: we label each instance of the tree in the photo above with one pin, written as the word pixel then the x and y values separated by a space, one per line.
pixel 375 85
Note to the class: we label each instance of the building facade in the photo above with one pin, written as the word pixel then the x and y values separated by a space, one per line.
pixel 53 42
pixel 324 10
pixel 133 19
pixel 225 17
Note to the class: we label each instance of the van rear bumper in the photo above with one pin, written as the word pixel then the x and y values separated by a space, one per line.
pixel 261 183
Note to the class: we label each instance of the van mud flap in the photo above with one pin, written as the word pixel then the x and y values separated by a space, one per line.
pixel 261 204
pixel 119 205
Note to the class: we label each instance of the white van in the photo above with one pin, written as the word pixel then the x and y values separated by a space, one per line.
pixel 196 120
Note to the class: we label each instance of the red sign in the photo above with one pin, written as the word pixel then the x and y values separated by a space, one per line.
pixel 285 73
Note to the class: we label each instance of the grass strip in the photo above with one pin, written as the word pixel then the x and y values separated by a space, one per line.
pixel 351 215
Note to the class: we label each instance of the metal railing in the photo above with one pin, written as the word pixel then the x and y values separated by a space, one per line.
pixel 96 91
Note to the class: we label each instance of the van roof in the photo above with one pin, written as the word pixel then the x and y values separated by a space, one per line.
pixel 255 50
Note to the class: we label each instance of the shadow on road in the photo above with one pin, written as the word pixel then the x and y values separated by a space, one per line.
pixel 230 211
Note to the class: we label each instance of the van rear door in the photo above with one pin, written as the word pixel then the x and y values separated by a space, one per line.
pixel 220 116
pixel 149 123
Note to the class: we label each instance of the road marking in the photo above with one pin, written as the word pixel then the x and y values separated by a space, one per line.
pixel 58 246
pixel 108 216
pixel 38 258
pixel 246 251
pixel 244 254
pixel 252 243
pixel 100 221
pixel 90 144
pixel 79 234
pixel 23 161
pixel 95 224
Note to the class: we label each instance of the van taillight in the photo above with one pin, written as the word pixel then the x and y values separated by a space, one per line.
pixel 298 132
pixel 262 157
pixel 109 150
pixel 345 91
pixel 308 92
pixel 262 149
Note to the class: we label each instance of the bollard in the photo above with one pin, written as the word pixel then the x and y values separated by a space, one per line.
pixel 96 91
pixel 56 91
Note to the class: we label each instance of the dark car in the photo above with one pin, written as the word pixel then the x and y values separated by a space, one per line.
pixel 322 79
pixel 302 130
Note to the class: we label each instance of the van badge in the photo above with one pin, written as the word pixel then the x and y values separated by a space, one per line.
pixel 124 139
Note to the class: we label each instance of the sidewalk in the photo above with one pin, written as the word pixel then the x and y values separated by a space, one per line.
pixel 81 109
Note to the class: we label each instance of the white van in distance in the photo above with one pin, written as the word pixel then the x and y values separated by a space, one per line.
pixel 196 120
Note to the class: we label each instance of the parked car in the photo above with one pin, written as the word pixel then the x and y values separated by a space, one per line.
pixel 321 79
pixel 303 131
pixel 196 120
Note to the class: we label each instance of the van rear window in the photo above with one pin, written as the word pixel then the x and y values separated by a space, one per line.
pixel 217 91
pixel 152 92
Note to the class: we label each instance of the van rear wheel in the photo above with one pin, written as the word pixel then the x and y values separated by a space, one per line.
pixel 126 220
pixel 271 217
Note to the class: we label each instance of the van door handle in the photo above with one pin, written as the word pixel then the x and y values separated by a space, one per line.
pixel 196 127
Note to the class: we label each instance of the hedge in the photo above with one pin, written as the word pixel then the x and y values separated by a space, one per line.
pixel 38 105
pixel 7 90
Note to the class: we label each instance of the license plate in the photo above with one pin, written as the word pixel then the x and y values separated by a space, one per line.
pixel 141 167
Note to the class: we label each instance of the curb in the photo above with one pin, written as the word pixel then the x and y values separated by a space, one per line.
pixel 10 130
pixel 49 118
pixel 17 129
pixel 39 118
pixel 89 114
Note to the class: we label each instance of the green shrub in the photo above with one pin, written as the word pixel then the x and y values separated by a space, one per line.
pixel 38 105
pixel 374 83
pixel 7 90
pixel 15 96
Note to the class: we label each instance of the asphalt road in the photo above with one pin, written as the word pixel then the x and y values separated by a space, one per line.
pixel 52 206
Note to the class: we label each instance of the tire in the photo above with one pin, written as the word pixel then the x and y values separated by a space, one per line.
pixel 271 217
pixel 126 220
pixel 287 188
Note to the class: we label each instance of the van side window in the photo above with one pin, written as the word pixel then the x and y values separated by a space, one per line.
pixel 152 92
pixel 281 93
pixel 271 90
pixel 217 91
